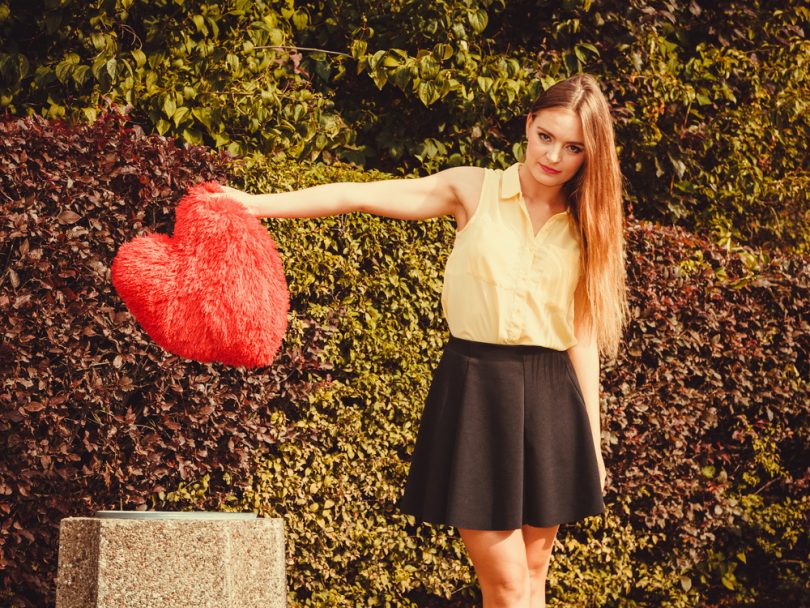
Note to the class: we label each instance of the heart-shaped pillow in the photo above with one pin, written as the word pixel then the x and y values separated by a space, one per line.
pixel 215 291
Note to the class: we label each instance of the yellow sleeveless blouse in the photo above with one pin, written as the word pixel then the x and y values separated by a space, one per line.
pixel 502 283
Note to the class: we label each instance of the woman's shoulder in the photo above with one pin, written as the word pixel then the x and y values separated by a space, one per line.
pixel 466 179
pixel 468 184
pixel 465 173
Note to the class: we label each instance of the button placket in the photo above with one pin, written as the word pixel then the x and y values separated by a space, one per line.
pixel 520 293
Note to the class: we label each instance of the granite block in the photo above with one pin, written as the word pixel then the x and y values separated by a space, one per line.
pixel 128 563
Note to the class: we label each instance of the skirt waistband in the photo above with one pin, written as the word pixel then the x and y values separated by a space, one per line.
pixel 474 348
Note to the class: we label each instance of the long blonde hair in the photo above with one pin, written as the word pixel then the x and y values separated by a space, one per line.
pixel 594 196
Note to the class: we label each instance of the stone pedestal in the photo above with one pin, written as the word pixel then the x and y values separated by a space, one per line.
pixel 189 560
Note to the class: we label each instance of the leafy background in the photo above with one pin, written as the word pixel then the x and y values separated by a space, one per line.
pixel 709 98
pixel 704 415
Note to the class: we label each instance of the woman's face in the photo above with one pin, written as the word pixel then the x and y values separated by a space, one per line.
pixel 555 140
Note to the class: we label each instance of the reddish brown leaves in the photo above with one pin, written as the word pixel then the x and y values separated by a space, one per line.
pixel 94 415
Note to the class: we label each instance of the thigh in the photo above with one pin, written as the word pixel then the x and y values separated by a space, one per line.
pixel 498 555
pixel 538 545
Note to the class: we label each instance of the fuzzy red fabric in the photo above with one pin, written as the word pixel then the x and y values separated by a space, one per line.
pixel 215 290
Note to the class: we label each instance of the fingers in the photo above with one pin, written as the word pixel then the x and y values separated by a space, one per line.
pixel 228 192
pixel 235 195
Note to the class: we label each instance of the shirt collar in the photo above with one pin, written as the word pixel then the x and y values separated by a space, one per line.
pixel 510 182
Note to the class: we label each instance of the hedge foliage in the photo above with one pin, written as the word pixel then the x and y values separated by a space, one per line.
pixel 705 416
pixel 708 97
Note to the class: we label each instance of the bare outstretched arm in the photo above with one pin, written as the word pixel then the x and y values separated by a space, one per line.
pixel 405 198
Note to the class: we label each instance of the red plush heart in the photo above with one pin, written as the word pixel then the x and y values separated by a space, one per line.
pixel 215 291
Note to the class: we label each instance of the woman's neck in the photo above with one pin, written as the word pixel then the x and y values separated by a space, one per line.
pixel 535 193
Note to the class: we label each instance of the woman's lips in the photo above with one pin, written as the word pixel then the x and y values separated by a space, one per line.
pixel 548 170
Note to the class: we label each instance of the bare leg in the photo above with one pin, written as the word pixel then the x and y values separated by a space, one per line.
pixel 499 557
pixel 539 542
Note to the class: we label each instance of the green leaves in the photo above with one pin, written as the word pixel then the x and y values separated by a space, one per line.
pixel 428 92
pixel 199 22
pixel 485 83
pixel 180 115
pixel 478 19
pixel 169 106
pixel 14 68
pixel 175 66
pixel 711 134
pixel 139 56
pixel 66 67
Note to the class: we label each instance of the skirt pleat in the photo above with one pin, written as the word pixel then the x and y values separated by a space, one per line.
pixel 504 440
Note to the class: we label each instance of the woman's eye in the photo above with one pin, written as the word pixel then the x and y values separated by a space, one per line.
pixel 574 149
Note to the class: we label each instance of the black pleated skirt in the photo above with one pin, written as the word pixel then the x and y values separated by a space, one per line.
pixel 504 440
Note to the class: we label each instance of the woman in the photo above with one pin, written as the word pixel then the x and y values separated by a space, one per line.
pixel 508 446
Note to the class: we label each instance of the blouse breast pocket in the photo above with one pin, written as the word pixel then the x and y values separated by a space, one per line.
pixel 494 260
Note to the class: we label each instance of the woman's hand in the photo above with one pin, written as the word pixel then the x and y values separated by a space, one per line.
pixel 245 198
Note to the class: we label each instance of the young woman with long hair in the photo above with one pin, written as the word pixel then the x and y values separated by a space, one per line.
pixel 508 446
